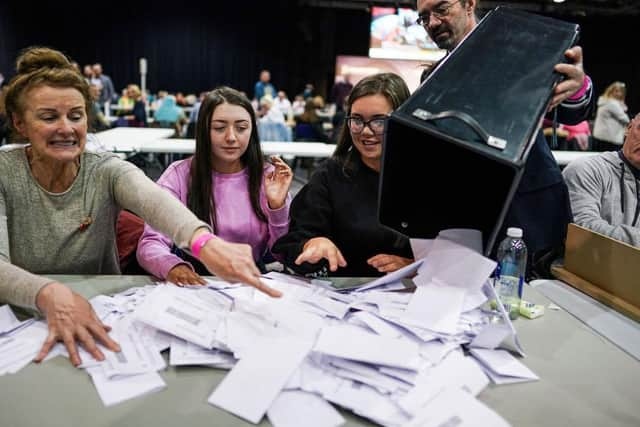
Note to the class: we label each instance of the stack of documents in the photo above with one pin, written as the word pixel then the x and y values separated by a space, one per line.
pixel 395 358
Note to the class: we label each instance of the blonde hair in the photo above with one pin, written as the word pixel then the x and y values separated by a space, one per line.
pixel 135 89
pixel 42 66
pixel 608 93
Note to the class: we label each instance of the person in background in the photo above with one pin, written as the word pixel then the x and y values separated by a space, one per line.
pixel 169 115
pixel 268 112
pixel 264 87
pixel 87 72
pixel 340 91
pixel 334 227
pixel 99 122
pixel 611 118
pixel 162 94
pixel 125 104
pixel 309 124
pixel 108 92
pixel 137 117
pixel 181 100
pixel 79 195
pixel 605 189
pixel 226 184
pixel 283 104
pixel 298 105
pixel 193 116
pixel 308 91
pixel 540 205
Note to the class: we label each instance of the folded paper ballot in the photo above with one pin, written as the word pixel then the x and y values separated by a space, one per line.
pixel 188 314
pixel 300 408
pixel 355 344
pixel 238 394
pixel 119 389
pixel 502 367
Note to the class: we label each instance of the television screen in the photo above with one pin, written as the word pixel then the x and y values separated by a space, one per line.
pixel 395 35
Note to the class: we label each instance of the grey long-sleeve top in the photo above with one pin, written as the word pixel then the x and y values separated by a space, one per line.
pixel 605 196
pixel 41 232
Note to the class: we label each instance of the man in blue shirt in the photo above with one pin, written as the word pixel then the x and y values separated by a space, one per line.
pixel 264 87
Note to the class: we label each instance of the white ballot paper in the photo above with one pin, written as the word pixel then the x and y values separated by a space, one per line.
pixel 117 390
pixel 8 320
pixel 491 335
pixel 19 348
pixel 186 313
pixel 502 367
pixel 138 353
pixel 511 339
pixel 392 277
pixel 436 308
pixel 298 408
pixel 455 371
pixel 186 353
pixel 257 379
pixel 420 247
pixel 444 261
pixel 455 407
pixel 354 343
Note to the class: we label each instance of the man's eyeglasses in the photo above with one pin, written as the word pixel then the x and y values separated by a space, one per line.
pixel 439 12
pixel 356 124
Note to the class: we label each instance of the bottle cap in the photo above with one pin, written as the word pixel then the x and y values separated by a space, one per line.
pixel 514 232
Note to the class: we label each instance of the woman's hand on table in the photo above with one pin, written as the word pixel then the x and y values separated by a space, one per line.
pixel 71 318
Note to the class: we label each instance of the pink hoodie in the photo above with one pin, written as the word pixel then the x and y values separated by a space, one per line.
pixel 235 217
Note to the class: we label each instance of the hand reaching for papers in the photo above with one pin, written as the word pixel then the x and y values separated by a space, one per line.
pixel 573 76
pixel 277 183
pixel 234 263
pixel 386 263
pixel 319 248
pixel 71 318
pixel 182 275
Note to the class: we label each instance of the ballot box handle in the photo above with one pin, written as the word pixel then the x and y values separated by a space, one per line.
pixel 490 140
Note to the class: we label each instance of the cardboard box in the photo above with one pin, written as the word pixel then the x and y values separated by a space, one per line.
pixel 605 268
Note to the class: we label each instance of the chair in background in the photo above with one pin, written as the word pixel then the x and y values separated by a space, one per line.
pixel 129 228
pixel 307 132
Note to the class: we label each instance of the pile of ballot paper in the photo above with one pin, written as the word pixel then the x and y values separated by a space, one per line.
pixel 396 358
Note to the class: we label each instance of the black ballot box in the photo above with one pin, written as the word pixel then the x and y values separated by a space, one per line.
pixel 454 152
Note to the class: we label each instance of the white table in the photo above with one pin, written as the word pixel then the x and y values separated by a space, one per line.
pixel 300 149
pixel 585 381
pixel 126 140
pixel 152 140
pixel 564 157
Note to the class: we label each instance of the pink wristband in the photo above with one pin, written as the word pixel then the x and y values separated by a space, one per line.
pixel 580 93
pixel 197 246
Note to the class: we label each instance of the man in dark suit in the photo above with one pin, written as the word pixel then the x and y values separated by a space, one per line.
pixel 541 204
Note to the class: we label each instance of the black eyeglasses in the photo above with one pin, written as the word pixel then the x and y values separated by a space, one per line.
pixel 439 12
pixel 356 124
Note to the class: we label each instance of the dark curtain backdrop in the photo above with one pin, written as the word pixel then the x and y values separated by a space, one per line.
pixel 193 47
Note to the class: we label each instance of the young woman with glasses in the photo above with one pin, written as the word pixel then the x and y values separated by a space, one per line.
pixel 334 228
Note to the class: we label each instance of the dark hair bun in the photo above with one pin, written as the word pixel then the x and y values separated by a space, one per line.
pixel 35 58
